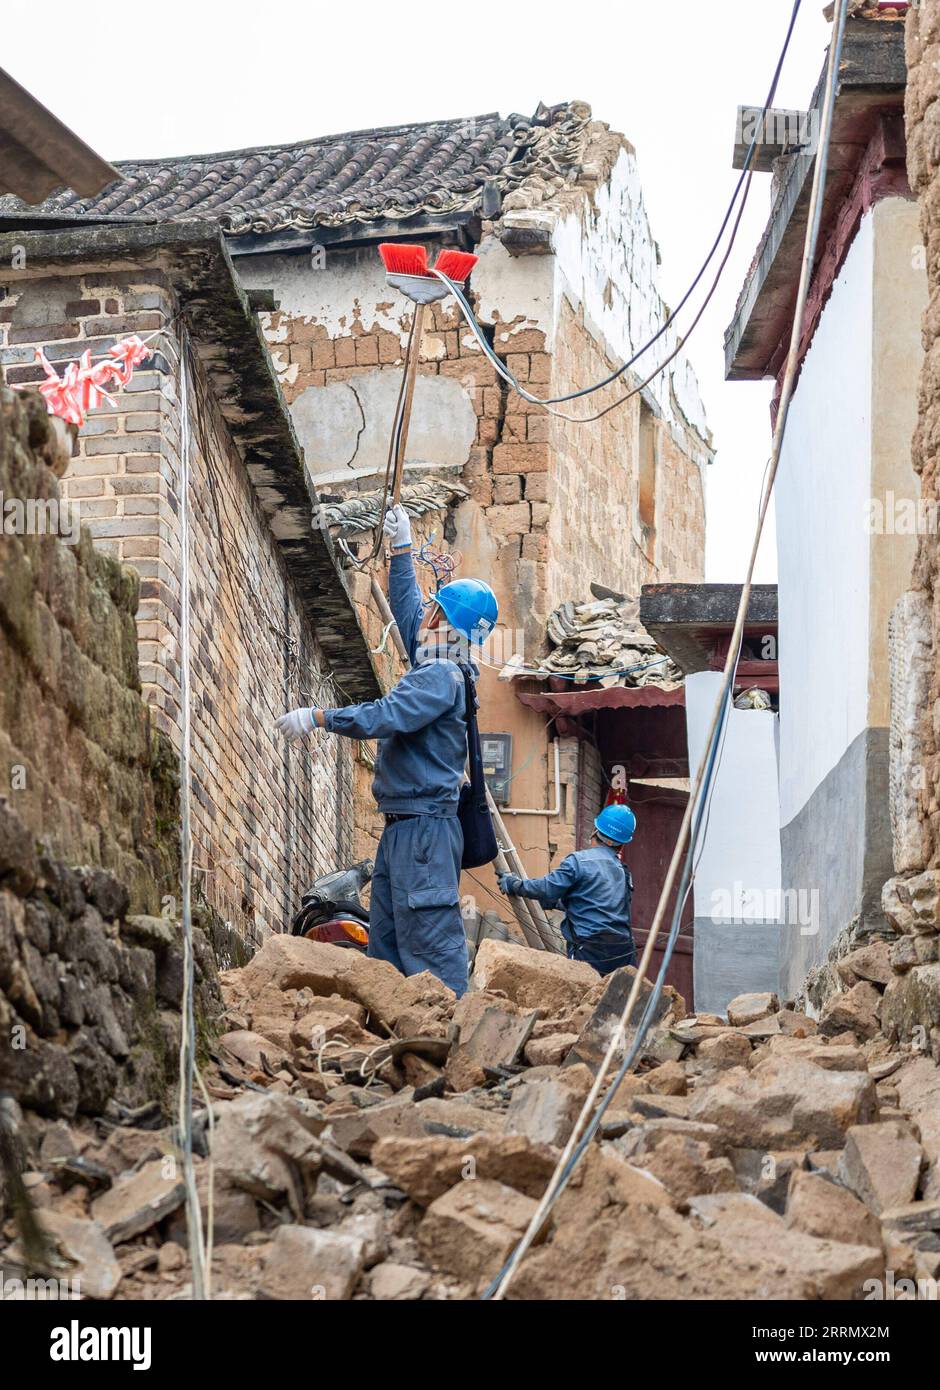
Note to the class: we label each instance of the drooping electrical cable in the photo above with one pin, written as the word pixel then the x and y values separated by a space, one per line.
pixel 705 772
pixel 744 182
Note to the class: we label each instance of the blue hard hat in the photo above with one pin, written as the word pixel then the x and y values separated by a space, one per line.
pixel 469 606
pixel 617 823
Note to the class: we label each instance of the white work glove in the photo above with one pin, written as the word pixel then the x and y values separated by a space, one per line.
pixel 296 723
pixel 397 527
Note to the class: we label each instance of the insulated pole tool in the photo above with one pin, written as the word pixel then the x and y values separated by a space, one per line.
pixel 407 270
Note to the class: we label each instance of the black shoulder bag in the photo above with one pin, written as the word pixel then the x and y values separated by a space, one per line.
pixel 479 837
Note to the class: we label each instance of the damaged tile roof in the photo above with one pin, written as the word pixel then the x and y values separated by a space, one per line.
pixel 361 511
pixel 370 175
pixel 600 641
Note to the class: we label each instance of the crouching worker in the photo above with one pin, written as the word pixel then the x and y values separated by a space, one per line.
pixel 414 916
pixel 595 890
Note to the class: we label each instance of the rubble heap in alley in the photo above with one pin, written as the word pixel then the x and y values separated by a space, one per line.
pixel 374 1138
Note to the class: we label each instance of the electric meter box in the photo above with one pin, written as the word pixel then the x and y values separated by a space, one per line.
pixel 497 765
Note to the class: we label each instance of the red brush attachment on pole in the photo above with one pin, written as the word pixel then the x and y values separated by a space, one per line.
pixel 406 267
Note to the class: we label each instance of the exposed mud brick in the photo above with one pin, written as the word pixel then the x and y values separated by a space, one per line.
pixel 686 1169
pixel 857 1009
pixel 550 1050
pixel 786 1101
pixel 668 1079
pixel 293 962
pixel 533 979
pixel 881 1164
pixel 491 1032
pixel 141 1201
pixel 822 1208
pixel 728 1049
pixel 249 1048
pixel 473 1228
pixel 544 1110
pixel 427 1168
pixel 304 1263
pixel 748 1008
pixel 520 458
pixel 267 1145
pixel 86 1250
pixel 397 1283
pixel 872 963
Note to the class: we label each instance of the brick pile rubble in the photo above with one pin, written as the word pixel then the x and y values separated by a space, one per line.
pixel 375 1139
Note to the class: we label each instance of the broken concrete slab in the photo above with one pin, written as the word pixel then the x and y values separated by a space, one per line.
pixel 471 1230
pixel 822 1208
pixel 533 979
pixel 881 1164
pixel 137 1202
pixel 306 1263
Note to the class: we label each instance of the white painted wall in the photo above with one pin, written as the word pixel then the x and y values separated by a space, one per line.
pixel 822 493
pixel 741 853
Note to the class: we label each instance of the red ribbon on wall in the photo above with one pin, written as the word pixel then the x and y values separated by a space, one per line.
pixel 82 386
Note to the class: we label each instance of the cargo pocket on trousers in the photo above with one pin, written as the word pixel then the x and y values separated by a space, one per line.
pixel 437 924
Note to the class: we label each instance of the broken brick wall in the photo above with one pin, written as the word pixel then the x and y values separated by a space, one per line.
pixel 267 818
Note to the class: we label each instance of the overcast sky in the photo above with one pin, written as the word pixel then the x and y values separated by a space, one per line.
pixel 189 76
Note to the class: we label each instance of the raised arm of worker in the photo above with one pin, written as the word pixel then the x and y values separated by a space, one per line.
pixel 549 891
pixel 404 596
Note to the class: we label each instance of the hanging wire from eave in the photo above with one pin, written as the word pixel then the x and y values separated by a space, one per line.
pixel 498 1290
pixel 743 182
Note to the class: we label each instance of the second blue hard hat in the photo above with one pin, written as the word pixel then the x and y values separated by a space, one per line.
pixel 616 823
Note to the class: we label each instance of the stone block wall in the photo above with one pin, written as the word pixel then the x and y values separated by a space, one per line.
pixel 911 900
pixel 80 763
pixel 90 975
pixel 267 818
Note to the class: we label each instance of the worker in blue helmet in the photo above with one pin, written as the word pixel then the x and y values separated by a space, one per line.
pixel 414 916
pixel 595 889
